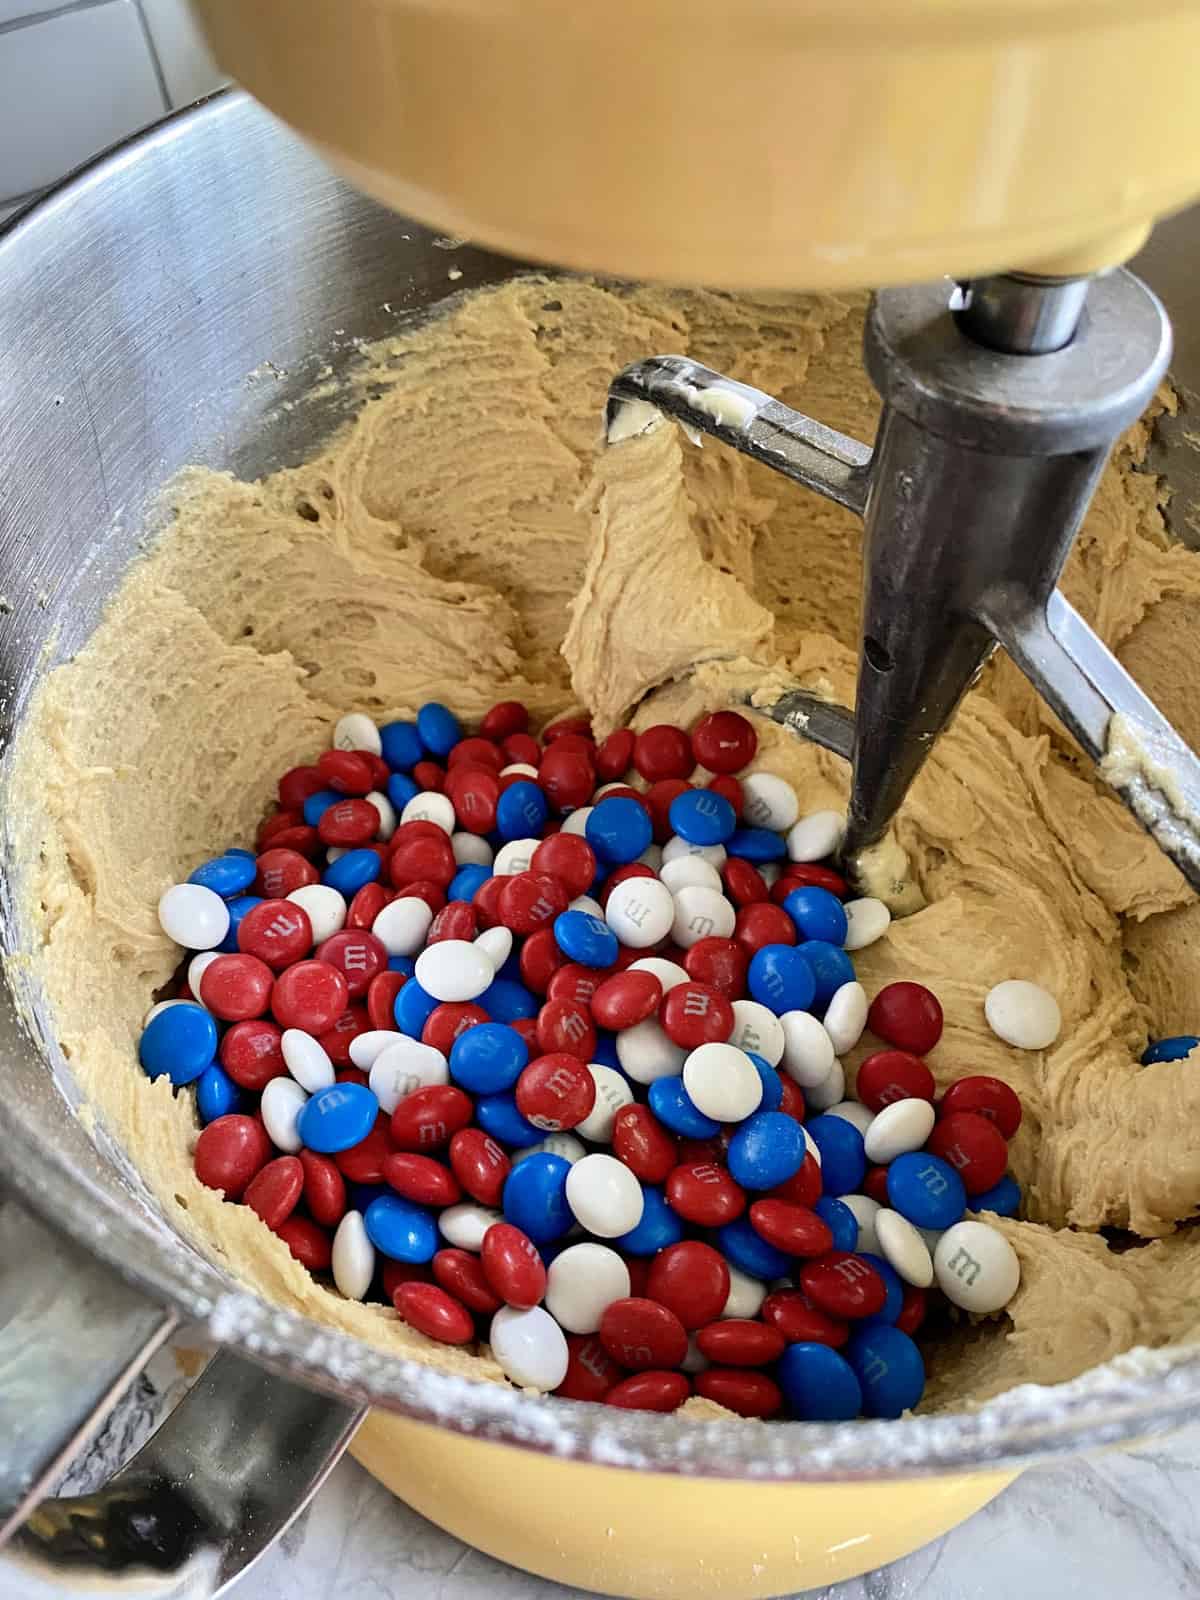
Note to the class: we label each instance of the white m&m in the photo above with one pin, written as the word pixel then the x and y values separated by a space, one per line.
pixel 401 926
pixel 769 802
pixel 807 1048
pixel 722 1082
pixel 640 912
pixel 690 872
pixel 581 1283
pixel 324 907
pixel 846 1017
pixel 454 969
pixel 356 731
pixel 465 1224
pixel 604 1196
pixel 496 943
pixel 1023 1014
pixel 825 1095
pixel 646 1053
pixel 194 916
pixel 353 1257
pixel 530 1348
pixel 758 1030
pixel 429 806
pixel 903 1248
pixel 701 913
pixel 613 1094
pixel 282 1102
pixel 307 1060
pixel 866 921
pixel 816 836
pixel 402 1067
pixel 903 1126
pixel 976 1267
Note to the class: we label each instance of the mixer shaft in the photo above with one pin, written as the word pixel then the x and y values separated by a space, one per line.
pixel 984 464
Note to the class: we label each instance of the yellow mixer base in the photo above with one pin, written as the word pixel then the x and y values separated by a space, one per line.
pixel 650 1536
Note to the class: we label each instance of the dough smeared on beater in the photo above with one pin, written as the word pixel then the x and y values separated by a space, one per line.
pixel 470 539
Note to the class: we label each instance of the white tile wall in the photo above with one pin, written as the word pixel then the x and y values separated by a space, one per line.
pixel 188 69
pixel 13 10
pixel 78 75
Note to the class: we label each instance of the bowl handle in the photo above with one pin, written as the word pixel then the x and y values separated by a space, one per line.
pixel 223 1475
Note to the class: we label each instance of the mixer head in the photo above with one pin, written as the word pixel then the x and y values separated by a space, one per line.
pixel 774 144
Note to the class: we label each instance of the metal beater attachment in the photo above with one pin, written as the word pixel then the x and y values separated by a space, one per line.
pixel 1001 402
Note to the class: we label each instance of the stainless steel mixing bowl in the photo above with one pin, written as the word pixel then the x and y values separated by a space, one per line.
pixel 134 302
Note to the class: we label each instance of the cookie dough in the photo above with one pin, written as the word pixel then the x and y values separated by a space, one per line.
pixel 469 539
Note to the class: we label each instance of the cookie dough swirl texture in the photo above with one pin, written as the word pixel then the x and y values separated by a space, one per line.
pixel 468 539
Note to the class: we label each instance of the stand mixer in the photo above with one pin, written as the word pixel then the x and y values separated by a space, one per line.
pixel 1003 392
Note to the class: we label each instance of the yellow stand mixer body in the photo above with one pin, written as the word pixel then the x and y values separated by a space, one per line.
pixel 813 144
pixel 810 144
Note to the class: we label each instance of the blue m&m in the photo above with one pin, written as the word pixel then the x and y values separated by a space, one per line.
pixel 1176 1048
pixel 767 1149
pixel 926 1190
pixel 180 1041
pixel 467 881
pixel 239 909
pixel 840 1220
pixel 488 1058
pixel 818 914
pixel 413 1008
pixel 439 729
pixel 337 1118
pixel 749 1252
pixel 781 979
pixel 317 804
pixel 772 1084
pixel 1004 1198
pixel 843 1155
pixel 618 829
pixel 226 875
pixel 889 1370
pixel 820 1385
pixel 894 1285
pixel 831 967
pixel 401 746
pixel 756 844
pixel 659 1227
pixel 535 1197
pixel 672 1105
pixel 352 872
pixel 401 1230
pixel 700 816
pixel 505 1000
pixel 497 1114
pixel 521 811
pixel 401 789
pixel 216 1094
pixel 585 938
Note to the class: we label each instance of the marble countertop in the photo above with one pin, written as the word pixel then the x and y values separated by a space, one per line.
pixel 1117 1524
pixel 1113 1525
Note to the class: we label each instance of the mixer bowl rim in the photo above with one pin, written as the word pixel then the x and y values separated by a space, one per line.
pixel 1134 1395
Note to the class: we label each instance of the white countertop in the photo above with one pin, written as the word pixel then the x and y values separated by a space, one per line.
pixel 1121 1524
pixel 1115 1525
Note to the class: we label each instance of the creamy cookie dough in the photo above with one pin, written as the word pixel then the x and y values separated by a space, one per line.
pixel 469 540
